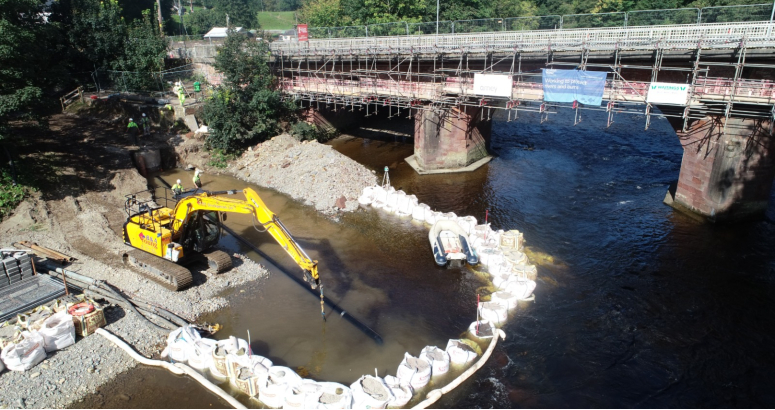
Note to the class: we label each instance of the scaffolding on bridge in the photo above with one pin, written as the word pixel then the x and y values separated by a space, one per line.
pixel 405 80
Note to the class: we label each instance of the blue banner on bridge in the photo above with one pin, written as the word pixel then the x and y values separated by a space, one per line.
pixel 585 87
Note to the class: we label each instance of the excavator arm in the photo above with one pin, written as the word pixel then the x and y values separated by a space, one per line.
pixel 251 205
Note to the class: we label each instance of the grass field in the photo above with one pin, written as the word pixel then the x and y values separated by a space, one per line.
pixel 276 20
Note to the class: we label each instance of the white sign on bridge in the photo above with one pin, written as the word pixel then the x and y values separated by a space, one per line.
pixel 668 93
pixel 496 85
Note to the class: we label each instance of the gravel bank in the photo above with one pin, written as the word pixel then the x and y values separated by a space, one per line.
pixel 308 171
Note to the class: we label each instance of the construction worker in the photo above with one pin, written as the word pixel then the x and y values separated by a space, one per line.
pixel 133 129
pixel 146 123
pixel 197 178
pixel 182 97
pixel 177 189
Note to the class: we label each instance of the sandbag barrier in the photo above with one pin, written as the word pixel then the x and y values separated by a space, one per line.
pixel 278 386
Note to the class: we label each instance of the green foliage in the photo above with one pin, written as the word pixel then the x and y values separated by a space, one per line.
pixel 202 20
pixel 246 108
pixel 324 13
pixel 144 52
pixel 95 31
pixel 303 131
pixel 220 159
pixel 10 194
pixel 242 13
pixel 276 20
pixel 28 54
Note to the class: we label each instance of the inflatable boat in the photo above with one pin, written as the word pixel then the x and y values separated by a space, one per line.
pixel 450 244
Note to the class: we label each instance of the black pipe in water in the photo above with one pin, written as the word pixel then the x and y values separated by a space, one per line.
pixel 338 309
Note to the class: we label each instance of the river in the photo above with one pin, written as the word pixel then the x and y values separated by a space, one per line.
pixel 637 305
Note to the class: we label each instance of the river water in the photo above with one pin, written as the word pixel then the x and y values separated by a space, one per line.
pixel 637 305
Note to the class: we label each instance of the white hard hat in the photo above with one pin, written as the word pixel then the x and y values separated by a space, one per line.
pixel 131 119
pixel 178 181
pixel 143 114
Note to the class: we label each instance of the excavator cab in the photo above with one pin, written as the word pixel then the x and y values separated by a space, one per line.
pixel 202 231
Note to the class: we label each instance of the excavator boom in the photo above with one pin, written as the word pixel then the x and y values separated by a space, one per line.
pixel 251 205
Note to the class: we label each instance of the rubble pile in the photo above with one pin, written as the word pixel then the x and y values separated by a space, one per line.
pixel 308 171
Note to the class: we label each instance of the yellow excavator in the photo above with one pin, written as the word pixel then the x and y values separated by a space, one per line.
pixel 166 237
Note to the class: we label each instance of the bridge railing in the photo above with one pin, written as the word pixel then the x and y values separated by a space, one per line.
pixel 724 35
pixel 717 14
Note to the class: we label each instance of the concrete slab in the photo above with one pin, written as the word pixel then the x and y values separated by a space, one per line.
pixel 191 122
pixel 473 166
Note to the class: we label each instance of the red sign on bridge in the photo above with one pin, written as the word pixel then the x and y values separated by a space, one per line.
pixel 301 31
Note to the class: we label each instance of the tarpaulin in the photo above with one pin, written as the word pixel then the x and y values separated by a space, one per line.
pixel 585 87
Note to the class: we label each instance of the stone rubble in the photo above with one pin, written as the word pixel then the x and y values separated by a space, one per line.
pixel 308 171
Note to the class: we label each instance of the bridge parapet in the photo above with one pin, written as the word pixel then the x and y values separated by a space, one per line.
pixel 684 37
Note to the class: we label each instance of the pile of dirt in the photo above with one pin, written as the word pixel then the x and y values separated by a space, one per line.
pixel 308 171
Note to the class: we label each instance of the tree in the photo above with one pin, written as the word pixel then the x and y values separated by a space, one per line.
pixel 94 30
pixel 27 45
pixel 324 13
pixel 242 13
pixel 246 108
pixel 201 21
pixel 143 55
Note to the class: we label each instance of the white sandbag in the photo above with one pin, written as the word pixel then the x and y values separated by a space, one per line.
pixel 521 289
pixel 494 312
pixel 242 380
pixel 419 212
pixel 506 298
pixel 490 256
pixel 381 196
pixel 501 281
pixel 303 396
pixel 432 217
pixel 438 359
pixel 58 331
pixel 514 257
pixel 406 205
pixel 219 367
pixel 26 354
pixel 335 396
pixel 525 271
pixel 414 371
pixel 393 199
pixel 367 196
pixel 370 392
pixel 467 223
pixel 512 239
pixel 179 342
pixel 483 329
pixel 200 354
pixel 402 392
pixel 235 360
pixel 272 388
pixel 446 216
pixel 459 352
pixel 503 268
pixel 494 237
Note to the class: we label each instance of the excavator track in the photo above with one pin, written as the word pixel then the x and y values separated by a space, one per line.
pixel 218 260
pixel 166 273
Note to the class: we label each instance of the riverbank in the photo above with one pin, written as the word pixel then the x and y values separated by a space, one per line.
pixel 79 211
